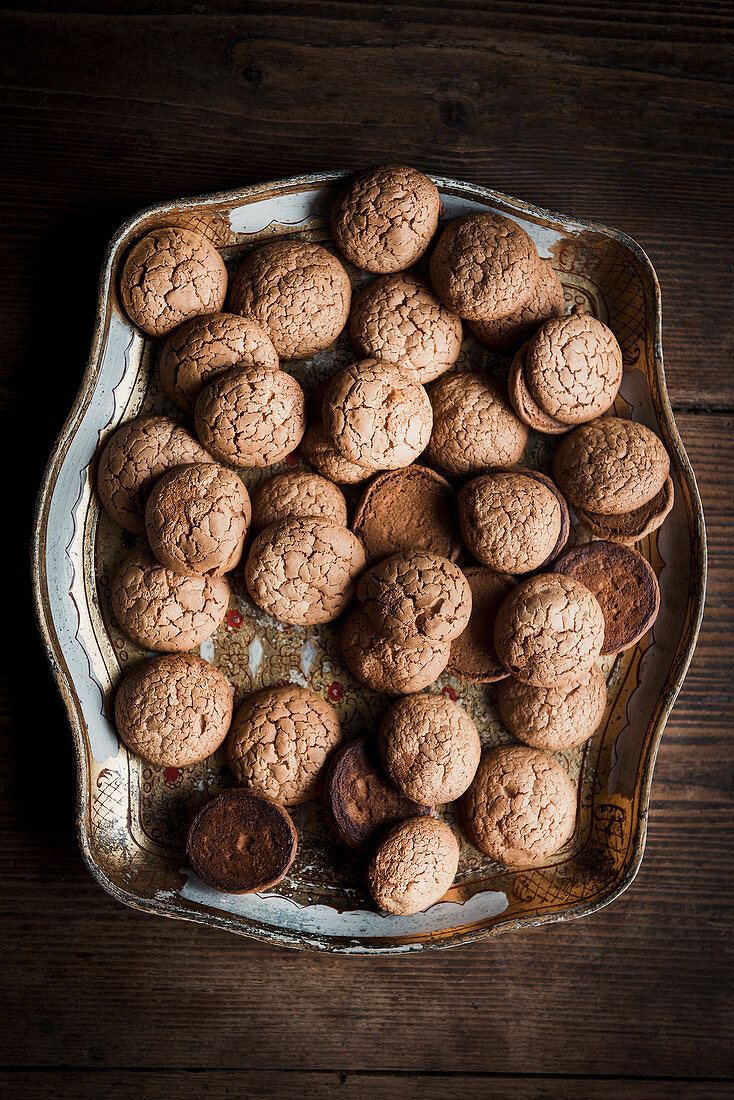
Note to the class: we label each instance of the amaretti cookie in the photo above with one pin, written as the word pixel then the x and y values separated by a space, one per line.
pixel 163 610
pixel 557 717
pixel 384 218
pixel 521 807
pixel 360 799
pixel 430 748
pixel 413 509
pixel 318 450
pixel 484 266
pixel 377 415
pixel 410 594
pixel 297 291
pixel 304 571
pixel 197 352
pixel 573 367
pixel 240 842
pixel 131 460
pixel 413 866
pixel 280 741
pixel 399 319
pixel 523 402
pixel 170 276
pixel 173 710
pixel 513 520
pixel 549 630
pixel 625 585
pixel 628 528
pixel 473 425
pixel 196 519
pixel 387 665
pixel 506 334
pixel 473 656
pixel 251 418
pixel 298 495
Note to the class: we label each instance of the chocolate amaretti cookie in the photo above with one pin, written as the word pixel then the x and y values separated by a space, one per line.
pixel 473 655
pixel 506 334
pixel 553 718
pixel 407 510
pixel 473 425
pixel 409 594
pixel 573 367
pixel 386 664
pixel 297 495
pixel 414 865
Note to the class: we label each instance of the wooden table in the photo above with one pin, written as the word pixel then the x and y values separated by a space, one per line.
pixel 616 112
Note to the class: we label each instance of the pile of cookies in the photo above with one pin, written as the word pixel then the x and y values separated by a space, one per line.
pixel 455 562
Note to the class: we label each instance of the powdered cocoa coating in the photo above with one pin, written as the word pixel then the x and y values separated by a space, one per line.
pixel 627 528
pixel 473 656
pixel 170 276
pixel 297 291
pixel 407 510
pixel 399 319
pixel 510 521
pixel 430 748
pixel 611 466
pixel 523 402
pixel 521 806
pixel 553 718
pixel 484 266
pixel 251 418
pixel 206 347
pixel 162 610
pixel 573 367
pixel 133 457
pixel 173 710
pixel 473 425
pixel 304 571
pixel 298 495
pixel 196 519
pixel 414 865
pixel 377 415
pixel 384 218
pixel 422 593
pixel 280 742
pixel 320 452
pixel 506 334
pixel 387 665
pixel 549 630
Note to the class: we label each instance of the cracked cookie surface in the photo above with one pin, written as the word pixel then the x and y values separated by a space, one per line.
pixel 409 594
pixel 553 718
pixel 523 402
pixel 510 521
pixel 407 510
pixel 506 334
pixel 298 495
pixel 320 452
pixel 573 367
pixel 387 665
pixel 414 865
pixel 474 425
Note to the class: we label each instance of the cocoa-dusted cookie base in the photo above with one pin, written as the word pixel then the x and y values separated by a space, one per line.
pixel 298 495
pixel 473 656
pixel 625 585
pixel 473 425
pixel 388 666
pixel 523 402
pixel 407 510
pixel 318 450
pixel 553 718
pixel 630 527
pixel 512 520
pixel 506 334
pixel 409 594
pixel 240 842
pixel 573 368
pixel 360 800
pixel 414 865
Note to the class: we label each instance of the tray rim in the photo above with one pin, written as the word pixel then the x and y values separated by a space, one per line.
pixel 697 591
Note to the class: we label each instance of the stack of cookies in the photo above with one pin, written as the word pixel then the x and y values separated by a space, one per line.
pixel 455 557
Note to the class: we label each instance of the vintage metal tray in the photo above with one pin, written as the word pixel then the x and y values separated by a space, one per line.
pixel 132 817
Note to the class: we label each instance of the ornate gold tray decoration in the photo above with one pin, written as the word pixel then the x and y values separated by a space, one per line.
pixel 132 817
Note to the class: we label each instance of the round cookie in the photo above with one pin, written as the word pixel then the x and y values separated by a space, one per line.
pixel 304 571
pixel 131 460
pixel 625 586
pixel 174 710
pixel 630 527
pixel 549 630
pixel 523 402
pixel 162 610
pixel 241 842
pixel 407 510
pixel 506 334
pixel 387 665
pixel 409 594
pixel 513 521
pixel 521 807
pixel 297 291
pixel 484 266
pixel 360 800
pixel 196 519
pixel 399 319
pixel 573 367
pixel 553 718
pixel 384 218
pixel 280 741
pixel 170 276
pixel 414 865
pixel 250 418
pixel 473 656
pixel 377 415
pixel 611 466
pixel 473 426
pixel 320 452
pixel 430 748
pixel 297 495
pixel 195 354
